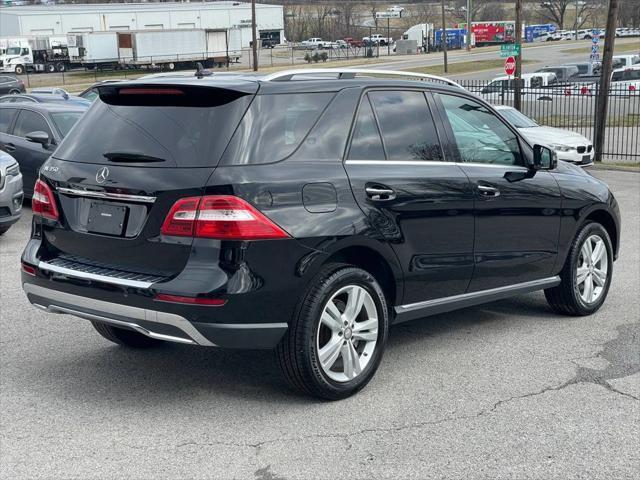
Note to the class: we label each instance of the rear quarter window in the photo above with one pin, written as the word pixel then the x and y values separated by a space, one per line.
pixel 6 117
pixel 274 126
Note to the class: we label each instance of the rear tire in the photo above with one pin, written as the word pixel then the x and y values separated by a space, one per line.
pixel 14 92
pixel 586 275
pixel 61 67
pixel 124 337
pixel 334 356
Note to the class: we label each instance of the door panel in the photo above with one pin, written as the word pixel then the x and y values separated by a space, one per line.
pixel 421 205
pixel 517 225
pixel 517 211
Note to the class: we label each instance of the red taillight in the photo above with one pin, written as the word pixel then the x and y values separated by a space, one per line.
pixel 206 301
pixel 43 202
pixel 28 269
pixel 181 218
pixel 223 217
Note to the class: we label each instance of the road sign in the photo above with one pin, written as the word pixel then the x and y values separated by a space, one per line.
pixel 510 66
pixel 388 14
pixel 509 50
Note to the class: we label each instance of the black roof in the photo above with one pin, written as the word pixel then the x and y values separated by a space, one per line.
pixel 251 83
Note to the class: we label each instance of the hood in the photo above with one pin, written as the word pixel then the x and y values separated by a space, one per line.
pixel 551 135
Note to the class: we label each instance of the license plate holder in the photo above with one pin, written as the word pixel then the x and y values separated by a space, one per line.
pixel 586 159
pixel 106 219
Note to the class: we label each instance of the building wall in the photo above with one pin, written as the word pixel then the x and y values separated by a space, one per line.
pixel 59 20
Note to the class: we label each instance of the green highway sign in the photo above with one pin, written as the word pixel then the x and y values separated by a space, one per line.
pixel 509 50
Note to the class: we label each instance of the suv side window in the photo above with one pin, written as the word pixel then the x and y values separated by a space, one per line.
pixel 28 122
pixel 408 130
pixel 366 143
pixel 6 117
pixel 481 137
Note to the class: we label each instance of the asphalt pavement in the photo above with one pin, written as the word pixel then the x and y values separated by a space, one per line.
pixel 508 390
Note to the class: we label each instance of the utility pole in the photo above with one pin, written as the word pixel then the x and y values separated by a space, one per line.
pixel 469 6
pixel 517 85
pixel 605 77
pixel 254 42
pixel 576 20
pixel 443 39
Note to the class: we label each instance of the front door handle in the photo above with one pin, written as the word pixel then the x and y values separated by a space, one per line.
pixel 9 147
pixel 378 192
pixel 487 191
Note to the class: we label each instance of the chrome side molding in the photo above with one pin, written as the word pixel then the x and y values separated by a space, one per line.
pixel 106 195
pixel 440 305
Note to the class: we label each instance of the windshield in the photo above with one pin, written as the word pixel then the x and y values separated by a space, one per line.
pixel 65 120
pixel 517 119
pixel 13 51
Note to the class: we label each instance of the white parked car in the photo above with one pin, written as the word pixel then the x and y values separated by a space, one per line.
pixel 626 80
pixel 570 146
pixel 396 8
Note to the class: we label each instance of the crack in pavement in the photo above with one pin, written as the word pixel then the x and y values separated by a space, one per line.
pixel 621 353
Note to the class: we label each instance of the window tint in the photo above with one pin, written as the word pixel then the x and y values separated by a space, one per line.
pixel 6 117
pixel 181 134
pixel 366 143
pixel 274 126
pixel 480 136
pixel 28 122
pixel 408 131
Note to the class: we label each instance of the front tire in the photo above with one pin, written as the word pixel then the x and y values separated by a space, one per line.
pixel 586 276
pixel 124 337
pixel 337 336
pixel 19 70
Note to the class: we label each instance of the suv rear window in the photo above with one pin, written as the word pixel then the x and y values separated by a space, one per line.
pixel 274 126
pixel 179 133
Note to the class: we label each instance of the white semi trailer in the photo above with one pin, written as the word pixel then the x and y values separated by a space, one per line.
pixel 168 49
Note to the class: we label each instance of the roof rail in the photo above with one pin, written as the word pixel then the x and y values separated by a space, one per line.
pixel 345 73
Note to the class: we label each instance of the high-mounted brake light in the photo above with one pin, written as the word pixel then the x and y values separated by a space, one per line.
pixel 150 91
pixel 223 217
pixel 43 202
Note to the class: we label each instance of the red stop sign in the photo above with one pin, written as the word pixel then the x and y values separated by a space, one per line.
pixel 510 66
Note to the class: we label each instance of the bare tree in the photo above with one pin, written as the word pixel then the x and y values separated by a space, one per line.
pixel 629 13
pixel 556 10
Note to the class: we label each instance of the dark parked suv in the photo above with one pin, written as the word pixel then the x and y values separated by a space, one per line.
pixel 306 214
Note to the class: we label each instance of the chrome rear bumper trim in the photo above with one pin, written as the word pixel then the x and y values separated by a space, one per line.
pixel 92 276
pixel 106 195
pixel 113 313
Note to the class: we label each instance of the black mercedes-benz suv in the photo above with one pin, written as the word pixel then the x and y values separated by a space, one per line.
pixel 306 213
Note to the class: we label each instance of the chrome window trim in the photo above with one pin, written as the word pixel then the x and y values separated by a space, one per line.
pixel 93 276
pixel 431 162
pixel 106 195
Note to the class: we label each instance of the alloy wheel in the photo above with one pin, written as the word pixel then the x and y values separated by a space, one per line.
pixel 347 333
pixel 592 269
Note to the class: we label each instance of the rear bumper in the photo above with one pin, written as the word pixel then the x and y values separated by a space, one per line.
pixel 155 324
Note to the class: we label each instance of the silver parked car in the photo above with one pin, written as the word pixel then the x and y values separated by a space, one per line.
pixel 11 194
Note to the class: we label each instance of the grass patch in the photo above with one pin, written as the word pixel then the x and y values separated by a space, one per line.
pixel 619 48
pixel 464 67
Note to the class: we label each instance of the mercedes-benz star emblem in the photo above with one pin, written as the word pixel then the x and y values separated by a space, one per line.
pixel 102 175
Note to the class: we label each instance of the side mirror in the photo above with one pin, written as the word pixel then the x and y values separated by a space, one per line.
pixel 544 158
pixel 39 137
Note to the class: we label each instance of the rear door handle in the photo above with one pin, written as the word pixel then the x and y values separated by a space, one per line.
pixel 487 191
pixel 378 192
pixel 9 147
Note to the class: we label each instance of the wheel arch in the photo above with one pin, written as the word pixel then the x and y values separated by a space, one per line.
pixel 377 264
pixel 604 218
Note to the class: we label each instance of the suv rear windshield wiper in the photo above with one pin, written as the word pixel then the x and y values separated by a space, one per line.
pixel 131 157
